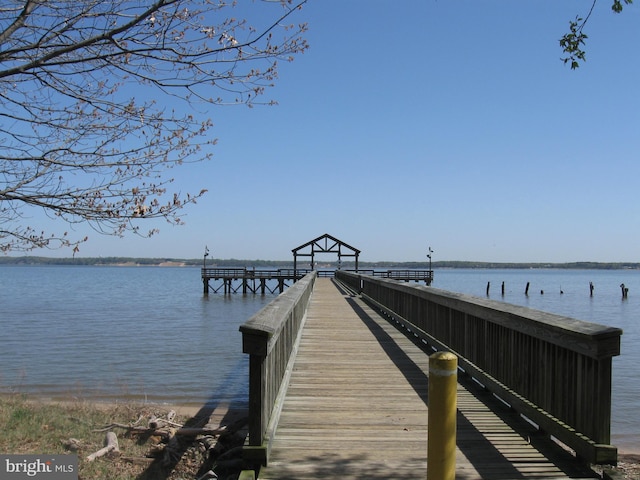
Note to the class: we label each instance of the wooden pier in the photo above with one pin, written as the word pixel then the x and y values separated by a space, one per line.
pixel 356 407
pixel 338 377
pixel 338 384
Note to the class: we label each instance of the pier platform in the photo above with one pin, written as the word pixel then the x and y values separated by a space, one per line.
pixel 251 280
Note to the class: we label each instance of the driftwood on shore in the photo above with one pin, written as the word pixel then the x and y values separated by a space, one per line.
pixel 110 445
pixel 220 446
pixel 165 432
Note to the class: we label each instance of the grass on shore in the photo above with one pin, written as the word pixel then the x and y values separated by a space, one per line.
pixel 33 426
pixel 47 428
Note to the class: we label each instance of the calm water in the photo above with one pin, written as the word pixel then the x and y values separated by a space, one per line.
pixel 148 333
pixel 115 332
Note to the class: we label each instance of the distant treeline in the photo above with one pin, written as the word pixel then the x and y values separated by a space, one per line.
pixel 217 262
pixel 116 261
pixel 569 265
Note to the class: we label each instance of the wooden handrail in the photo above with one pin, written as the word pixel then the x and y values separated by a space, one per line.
pixel 270 338
pixel 554 370
pixel 243 272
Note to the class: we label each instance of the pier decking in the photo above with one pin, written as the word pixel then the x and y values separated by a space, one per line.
pixel 356 408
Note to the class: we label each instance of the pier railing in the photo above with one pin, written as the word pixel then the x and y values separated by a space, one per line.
pixel 554 370
pixel 270 339
pixel 243 272
pixel 248 279
pixel 407 275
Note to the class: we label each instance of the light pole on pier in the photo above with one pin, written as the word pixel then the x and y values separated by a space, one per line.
pixel 429 257
pixel 206 254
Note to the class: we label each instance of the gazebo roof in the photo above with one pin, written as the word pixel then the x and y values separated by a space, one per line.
pixel 327 243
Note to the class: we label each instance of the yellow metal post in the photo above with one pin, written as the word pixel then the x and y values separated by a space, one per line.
pixel 441 447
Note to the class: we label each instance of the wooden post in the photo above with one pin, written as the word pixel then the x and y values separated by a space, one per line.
pixel 625 290
pixel 526 290
pixel 503 289
pixel 441 446
pixel 488 285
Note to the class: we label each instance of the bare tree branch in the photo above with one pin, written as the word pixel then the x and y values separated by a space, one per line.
pixel 96 103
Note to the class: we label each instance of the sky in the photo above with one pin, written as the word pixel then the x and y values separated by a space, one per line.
pixel 421 123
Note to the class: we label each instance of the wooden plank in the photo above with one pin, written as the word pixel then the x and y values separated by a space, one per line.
pixel 356 408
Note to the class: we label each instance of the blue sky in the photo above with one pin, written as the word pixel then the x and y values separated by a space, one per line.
pixel 450 124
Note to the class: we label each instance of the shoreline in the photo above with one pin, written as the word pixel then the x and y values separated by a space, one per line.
pixel 629 448
pixel 627 451
pixel 218 409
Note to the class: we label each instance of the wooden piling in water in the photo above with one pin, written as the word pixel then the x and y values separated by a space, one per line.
pixel 625 290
